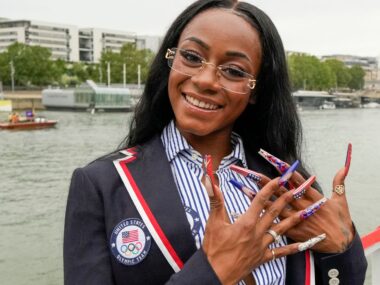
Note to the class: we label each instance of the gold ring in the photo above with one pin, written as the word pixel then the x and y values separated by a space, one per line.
pixel 273 255
pixel 339 189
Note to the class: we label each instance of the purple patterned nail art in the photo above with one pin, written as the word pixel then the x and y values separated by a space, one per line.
pixel 288 173
pixel 246 172
pixel 298 193
pixel 280 165
pixel 246 190
pixel 309 211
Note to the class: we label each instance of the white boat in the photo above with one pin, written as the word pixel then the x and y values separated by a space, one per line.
pixel 327 105
pixel 371 105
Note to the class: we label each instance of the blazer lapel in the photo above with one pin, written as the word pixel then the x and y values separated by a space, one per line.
pixel 153 176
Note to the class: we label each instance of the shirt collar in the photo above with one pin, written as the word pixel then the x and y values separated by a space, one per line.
pixel 174 144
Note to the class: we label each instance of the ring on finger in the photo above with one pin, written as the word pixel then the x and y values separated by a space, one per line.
pixel 339 189
pixel 276 236
pixel 273 255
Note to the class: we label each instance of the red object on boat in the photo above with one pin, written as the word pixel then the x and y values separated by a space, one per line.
pixel 28 125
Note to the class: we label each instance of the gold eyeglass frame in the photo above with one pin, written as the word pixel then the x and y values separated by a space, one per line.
pixel 170 53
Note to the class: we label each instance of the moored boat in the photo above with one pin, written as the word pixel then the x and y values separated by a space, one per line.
pixel 327 105
pixel 37 123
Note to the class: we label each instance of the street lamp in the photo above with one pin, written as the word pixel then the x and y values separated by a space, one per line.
pixel 108 73
pixel 12 75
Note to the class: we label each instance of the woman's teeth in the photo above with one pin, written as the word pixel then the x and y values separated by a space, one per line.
pixel 200 104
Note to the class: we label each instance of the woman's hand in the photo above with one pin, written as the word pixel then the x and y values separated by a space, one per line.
pixel 333 218
pixel 234 250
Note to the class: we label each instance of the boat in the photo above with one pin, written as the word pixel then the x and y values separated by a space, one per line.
pixel 307 99
pixel 371 105
pixel 35 124
pixel 327 105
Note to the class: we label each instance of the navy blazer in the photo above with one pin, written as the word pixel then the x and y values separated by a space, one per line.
pixel 98 201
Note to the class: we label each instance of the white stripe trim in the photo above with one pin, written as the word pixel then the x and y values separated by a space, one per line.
pixel 312 269
pixel 144 216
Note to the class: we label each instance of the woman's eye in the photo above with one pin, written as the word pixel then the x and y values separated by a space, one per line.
pixel 191 57
pixel 233 72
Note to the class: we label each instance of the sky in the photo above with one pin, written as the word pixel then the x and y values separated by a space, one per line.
pixel 317 27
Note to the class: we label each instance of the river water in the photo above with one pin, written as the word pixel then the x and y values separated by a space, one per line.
pixel 36 166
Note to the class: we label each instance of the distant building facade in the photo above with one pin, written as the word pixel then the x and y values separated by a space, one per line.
pixel 68 42
pixel 92 41
pixel 62 40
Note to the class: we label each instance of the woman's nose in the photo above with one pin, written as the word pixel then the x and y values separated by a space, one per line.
pixel 207 78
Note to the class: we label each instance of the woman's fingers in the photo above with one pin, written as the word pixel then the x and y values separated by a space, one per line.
pixel 339 194
pixel 277 252
pixel 274 211
pixel 259 202
pixel 338 184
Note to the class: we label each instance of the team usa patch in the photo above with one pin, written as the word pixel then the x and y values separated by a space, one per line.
pixel 194 220
pixel 130 241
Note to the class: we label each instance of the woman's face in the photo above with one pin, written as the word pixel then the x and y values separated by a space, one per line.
pixel 201 106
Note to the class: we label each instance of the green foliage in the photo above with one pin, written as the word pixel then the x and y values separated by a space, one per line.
pixel 357 77
pixel 32 65
pixel 131 57
pixel 308 72
pixel 341 72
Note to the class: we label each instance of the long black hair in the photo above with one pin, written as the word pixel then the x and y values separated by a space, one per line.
pixel 271 123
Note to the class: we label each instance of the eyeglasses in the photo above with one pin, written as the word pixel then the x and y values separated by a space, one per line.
pixel 231 78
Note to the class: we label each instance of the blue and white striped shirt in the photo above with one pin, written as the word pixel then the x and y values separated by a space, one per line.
pixel 186 164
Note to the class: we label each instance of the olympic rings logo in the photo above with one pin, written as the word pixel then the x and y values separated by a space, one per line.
pixel 131 248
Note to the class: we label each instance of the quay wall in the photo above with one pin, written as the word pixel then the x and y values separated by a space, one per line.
pixel 22 100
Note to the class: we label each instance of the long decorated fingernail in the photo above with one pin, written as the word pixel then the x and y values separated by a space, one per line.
pixel 209 175
pixel 348 159
pixel 311 242
pixel 246 190
pixel 280 165
pixel 309 211
pixel 246 172
pixel 288 173
pixel 298 193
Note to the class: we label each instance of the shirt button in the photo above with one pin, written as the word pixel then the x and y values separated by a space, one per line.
pixel 334 281
pixel 235 216
pixel 333 273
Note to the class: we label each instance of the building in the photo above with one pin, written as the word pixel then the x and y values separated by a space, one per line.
pixel 92 41
pixel 71 43
pixel 62 40
pixel 369 64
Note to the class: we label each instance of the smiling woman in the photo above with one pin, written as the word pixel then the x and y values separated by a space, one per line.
pixel 163 209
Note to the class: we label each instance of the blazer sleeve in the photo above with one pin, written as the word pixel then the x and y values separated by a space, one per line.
pixel 86 256
pixel 197 270
pixel 348 267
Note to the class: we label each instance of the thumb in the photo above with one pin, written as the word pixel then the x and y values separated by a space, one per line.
pixel 215 195
pixel 339 189
pixel 339 177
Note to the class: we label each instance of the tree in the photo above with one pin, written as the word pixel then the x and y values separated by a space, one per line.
pixel 131 57
pixel 340 71
pixel 357 77
pixel 307 72
pixel 32 65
